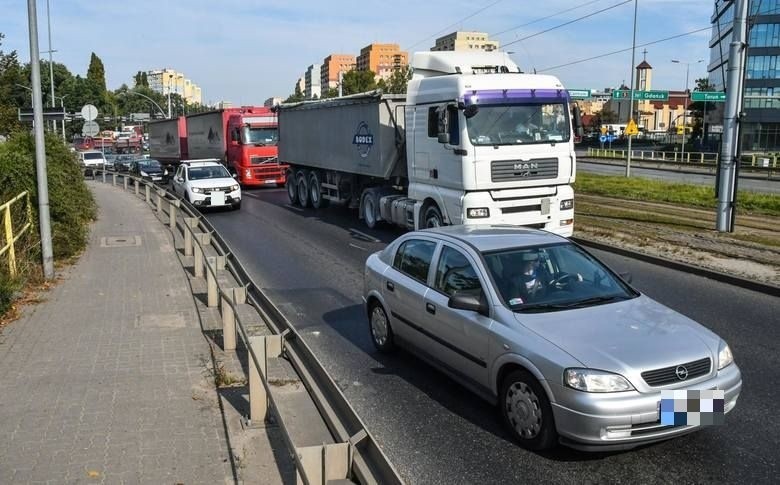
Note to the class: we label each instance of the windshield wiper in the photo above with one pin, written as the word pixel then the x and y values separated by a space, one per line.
pixel 595 300
pixel 542 306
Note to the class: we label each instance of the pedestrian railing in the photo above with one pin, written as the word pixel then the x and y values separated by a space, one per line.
pixel 701 158
pixel 761 160
pixel 354 455
pixel 11 235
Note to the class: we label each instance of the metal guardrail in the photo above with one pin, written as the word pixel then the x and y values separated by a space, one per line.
pixel 11 238
pixel 355 455
pixel 700 158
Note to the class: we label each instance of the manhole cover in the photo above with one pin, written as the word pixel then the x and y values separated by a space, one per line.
pixel 119 241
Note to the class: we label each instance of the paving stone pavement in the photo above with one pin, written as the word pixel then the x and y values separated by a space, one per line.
pixel 104 381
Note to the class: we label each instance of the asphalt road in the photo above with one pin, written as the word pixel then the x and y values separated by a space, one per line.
pixel 434 431
pixel 671 175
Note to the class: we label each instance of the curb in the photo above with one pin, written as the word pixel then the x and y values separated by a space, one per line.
pixel 764 288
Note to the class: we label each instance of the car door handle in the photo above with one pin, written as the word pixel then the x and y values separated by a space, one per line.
pixel 430 308
pixel 390 286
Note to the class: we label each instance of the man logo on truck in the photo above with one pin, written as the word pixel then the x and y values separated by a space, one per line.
pixel 525 169
pixel 363 139
pixel 168 138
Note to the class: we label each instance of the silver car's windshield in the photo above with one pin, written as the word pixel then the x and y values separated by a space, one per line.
pixel 516 124
pixel 212 172
pixel 555 277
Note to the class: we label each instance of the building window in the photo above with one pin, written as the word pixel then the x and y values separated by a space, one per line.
pixel 764 7
pixel 765 35
pixel 761 98
pixel 762 67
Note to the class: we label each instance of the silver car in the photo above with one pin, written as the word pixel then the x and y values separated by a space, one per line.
pixel 532 322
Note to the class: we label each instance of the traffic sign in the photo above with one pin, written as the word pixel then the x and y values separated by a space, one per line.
pixel 713 96
pixel 89 112
pixel 26 114
pixel 603 138
pixel 641 95
pixel 632 129
pixel 90 128
pixel 579 93
pixel 603 130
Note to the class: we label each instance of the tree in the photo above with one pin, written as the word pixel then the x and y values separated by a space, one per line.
pixel 398 80
pixel 296 97
pixel 330 93
pixel 603 117
pixel 11 95
pixel 697 108
pixel 354 82
pixel 96 73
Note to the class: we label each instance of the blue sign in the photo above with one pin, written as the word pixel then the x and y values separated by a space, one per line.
pixel 603 138
pixel 611 138
pixel 363 139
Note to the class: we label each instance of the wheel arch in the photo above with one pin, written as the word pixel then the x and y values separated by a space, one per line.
pixel 508 363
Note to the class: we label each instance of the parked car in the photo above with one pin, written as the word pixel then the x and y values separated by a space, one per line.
pixel 122 163
pixel 529 320
pixel 149 169
pixel 110 161
pixel 207 184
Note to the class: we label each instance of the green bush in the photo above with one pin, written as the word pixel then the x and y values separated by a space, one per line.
pixel 70 202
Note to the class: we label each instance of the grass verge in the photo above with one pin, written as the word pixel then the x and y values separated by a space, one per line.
pixel 673 193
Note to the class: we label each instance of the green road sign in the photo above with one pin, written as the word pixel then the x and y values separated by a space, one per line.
pixel 641 95
pixel 579 93
pixel 714 96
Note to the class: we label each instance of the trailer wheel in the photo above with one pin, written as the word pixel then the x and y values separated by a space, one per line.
pixel 304 197
pixel 315 192
pixel 369 210
pixel 292 188
pixel 432 216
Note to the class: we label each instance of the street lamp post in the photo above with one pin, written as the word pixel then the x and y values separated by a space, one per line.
pixel 62 105
pixel 149 99
pixel 685 109
pixel 631 103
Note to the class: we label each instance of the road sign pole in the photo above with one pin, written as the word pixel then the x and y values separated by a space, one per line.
pixel 631 104
pixel 40 144
pixel 704 126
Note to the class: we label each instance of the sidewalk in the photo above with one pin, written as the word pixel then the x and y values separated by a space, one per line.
pixel 105 380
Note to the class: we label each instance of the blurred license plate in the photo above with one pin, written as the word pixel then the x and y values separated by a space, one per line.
pixel 270 182
pixel 217 198
pixel 156 178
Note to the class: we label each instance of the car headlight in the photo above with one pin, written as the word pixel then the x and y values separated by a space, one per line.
pixel 197 190
pixel 234 187
pixel 165 172
pixel 478 213
pixel 725 357
pixel 144 174
pixel 567 204
pixel 591 380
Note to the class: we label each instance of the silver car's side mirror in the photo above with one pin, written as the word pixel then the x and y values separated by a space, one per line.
pixel 470 302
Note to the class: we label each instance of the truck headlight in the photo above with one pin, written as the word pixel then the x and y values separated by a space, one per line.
pixel 725 357
pixel 197 190
pixel 234 187
pixel 591 380
pixel 567 204
pixel 478 213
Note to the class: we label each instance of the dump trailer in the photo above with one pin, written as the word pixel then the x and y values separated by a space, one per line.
pixel 168 140
pixel 474 141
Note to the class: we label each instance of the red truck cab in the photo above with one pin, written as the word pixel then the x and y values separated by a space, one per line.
pixel 252 137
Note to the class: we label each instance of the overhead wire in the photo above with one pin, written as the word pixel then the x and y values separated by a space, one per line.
pixel 477 12
pixel 544 18
pixel 567 23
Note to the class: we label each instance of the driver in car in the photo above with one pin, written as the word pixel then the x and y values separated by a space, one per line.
pixel 526 284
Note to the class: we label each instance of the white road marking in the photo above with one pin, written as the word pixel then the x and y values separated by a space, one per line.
pixel 247 194
pixel 293 207
pixel 370 238
pixel 356 246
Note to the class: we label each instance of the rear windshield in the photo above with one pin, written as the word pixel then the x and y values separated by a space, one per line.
pixel 93 156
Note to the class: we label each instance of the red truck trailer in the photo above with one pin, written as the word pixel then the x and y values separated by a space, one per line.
pixel 244 139
pixel 168 140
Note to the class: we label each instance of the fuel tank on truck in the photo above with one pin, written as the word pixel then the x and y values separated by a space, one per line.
pixel 361 134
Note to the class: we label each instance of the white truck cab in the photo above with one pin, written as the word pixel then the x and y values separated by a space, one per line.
pixel 487 144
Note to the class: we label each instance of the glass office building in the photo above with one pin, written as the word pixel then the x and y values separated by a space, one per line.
pixel 761 126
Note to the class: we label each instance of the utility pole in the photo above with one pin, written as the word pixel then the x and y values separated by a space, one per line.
pixel 40 147
pixel 729 152
pixel 631 103
pixel 51 65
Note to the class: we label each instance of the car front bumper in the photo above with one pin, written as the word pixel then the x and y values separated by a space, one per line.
pixel 623 420
pixel 204 199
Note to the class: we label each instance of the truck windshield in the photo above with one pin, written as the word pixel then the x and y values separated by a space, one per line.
pixel 260 136
pixel 517 124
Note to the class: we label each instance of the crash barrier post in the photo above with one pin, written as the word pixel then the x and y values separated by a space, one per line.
pixel 189 224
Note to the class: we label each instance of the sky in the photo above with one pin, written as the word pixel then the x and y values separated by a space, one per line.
pixel 245 51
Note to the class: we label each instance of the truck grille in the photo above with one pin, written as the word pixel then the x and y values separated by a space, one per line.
pixel 509 170
pixel 258 160
pixel 668 375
